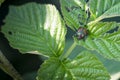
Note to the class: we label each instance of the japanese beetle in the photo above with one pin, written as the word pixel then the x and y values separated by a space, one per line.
pixel 81 33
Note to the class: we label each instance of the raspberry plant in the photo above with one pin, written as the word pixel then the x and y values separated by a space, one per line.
pixel 38 28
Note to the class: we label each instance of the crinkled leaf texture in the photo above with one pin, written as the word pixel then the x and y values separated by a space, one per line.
pixel 101 9
pixel 100 37
pixel 84 67
pixel 74 12
pixel 35 28
pixel 104 38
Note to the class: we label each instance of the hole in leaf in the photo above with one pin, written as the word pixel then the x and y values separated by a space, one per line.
pixel 72 8
pixel 67 9
pixel 86 0
pixel 75 8
pixel 9 32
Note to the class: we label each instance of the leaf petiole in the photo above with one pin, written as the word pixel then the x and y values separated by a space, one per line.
pixel 69 51
pixel 7 67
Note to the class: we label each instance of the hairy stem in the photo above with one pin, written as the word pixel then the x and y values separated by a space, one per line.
pixel 8 68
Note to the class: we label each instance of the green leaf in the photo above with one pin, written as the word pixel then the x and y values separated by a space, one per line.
pixel 74 13
pixel 84 67
pixel 104 39
pixel 35 28
pixel 101 9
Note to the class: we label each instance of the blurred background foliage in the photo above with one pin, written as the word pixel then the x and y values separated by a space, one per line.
pixel 28 64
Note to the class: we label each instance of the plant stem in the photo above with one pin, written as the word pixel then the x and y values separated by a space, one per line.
pixel 69 50
pixel 8 68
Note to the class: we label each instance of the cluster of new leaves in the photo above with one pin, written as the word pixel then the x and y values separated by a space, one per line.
pixel 39 28
pixel 100 37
